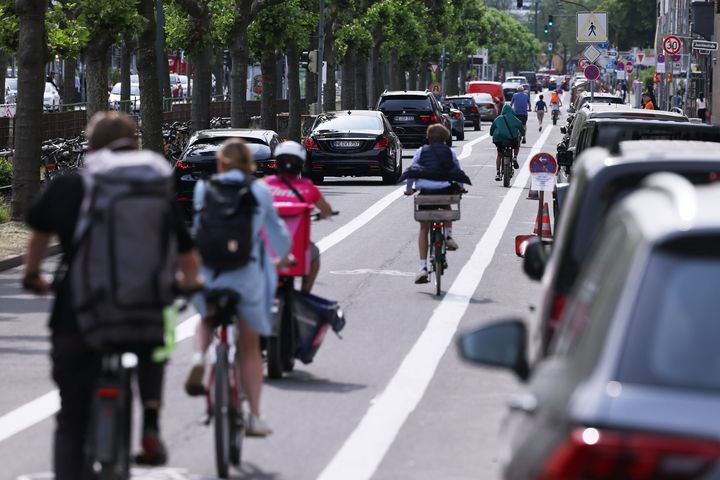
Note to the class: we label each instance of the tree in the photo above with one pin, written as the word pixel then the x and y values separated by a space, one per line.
pixel 151 111
pixel 31 56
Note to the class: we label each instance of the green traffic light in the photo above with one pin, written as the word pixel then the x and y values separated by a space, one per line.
pixel 550 20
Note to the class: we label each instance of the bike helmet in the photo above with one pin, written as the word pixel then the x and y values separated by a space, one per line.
pixel 290 157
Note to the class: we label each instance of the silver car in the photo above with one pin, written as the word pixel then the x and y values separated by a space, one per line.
pixel 457 120
pixel 630 389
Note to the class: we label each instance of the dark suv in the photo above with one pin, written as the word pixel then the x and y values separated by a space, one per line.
pixel 467 105
pixel 410 113
pixel 532 80
pixel 600 180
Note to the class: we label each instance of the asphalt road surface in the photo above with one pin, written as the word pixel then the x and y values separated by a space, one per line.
pixel 391 399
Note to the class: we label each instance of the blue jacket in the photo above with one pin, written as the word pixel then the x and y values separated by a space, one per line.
pixel 436 162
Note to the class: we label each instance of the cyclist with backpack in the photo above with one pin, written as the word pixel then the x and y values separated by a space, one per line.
pixel 233 214
pixel 289 186
pixel 506 129
pixel 151 247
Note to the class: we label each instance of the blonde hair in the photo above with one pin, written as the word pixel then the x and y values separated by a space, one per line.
pixel 234 154
pixel 437 133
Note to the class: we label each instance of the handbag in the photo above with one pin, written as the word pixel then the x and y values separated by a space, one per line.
pixel 314 316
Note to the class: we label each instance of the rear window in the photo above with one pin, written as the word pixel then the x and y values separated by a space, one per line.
pixel 610 136
pixel 405 102
pixel 673 337
pixel 348 122
pixel 208 146
pixel 601 100
pixel 468 102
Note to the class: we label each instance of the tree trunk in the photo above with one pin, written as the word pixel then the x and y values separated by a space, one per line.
pixel 239 52
pixel 463 77
pixel 268 97
pixel 361 82
pixel 347 96
pixel 28 119
pixel 202 86
pixel 329 90
pixel 162 56
pixel 125 61
pixel 70 94
pixel 96 78
pixel 151 111
pixel 310 88
pixel 423 77
pixel 218 69
pixel 412 78
pixel 451 79
pixel 295 106
pixel 3 64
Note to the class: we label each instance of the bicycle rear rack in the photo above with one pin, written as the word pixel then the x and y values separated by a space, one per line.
pixel 447 208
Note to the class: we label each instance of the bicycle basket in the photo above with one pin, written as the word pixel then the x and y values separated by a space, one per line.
pixel 437 208
pixel 313 316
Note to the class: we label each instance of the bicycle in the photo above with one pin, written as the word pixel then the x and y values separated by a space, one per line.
pixel 442 208
pixel 224 404
pixel 507 164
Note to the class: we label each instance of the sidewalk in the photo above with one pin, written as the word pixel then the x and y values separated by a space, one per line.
pixel 13 242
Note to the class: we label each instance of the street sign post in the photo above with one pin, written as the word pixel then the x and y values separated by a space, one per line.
pixel 592 27
pixel 704 45
pixel 660 66
pixel 543 169
pixel 672 45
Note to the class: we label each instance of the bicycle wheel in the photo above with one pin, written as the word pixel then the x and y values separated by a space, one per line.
pixel 221 415
pixel 237 422
pixel 507 170
pixel 274 343
pixel 438 261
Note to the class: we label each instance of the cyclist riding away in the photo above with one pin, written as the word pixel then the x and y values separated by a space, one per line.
pixel 555 101
pixel 288 186
pixel 435 170
pixel 506 130
pixel 255 281
pixel 112 139
pixel 521 106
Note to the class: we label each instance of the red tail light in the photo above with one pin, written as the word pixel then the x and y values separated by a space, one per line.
pixel 310 144
pixel 108 392
pixel 474 109
pixel 182 165
pixel 456 114
pixel 429 118
pixel 50 167
pixel 593 454
pixel 382 143
pixel 558 306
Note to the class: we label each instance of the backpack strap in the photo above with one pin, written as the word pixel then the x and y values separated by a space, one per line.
pixel 293 189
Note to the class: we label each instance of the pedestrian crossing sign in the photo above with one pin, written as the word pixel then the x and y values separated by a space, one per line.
pixel 592 27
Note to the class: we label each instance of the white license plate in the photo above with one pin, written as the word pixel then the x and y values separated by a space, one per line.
pixel 346 144
pixel 401 118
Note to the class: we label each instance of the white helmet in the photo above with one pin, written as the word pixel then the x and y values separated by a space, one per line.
pixel 291 148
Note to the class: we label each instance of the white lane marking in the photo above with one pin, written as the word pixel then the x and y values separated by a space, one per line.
pixel 467 148
pixel 362 452
pixel 372 271
pixel 21 418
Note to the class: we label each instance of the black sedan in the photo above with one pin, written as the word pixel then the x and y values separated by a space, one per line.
pixel 353 143
pixel 198 161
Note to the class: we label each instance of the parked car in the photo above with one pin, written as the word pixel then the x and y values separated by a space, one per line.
pixel 355 143
pixel 115 102
pixel 470 110
pixel 51 97
pixel 457 120
pixel 519 81
pixel 486 106
pixel 543 80
pixel 199 160
pixel 585 98
pixel 600 180
pixel 629 389
pixel 10 90
pixel 492 88
pixel 410 113
pixel 532 80
pixel 510 89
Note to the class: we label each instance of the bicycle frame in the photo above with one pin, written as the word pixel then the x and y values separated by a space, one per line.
pixel 222 339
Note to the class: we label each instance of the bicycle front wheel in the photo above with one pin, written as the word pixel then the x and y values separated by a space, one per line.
pixel 221 414
pixel 507 170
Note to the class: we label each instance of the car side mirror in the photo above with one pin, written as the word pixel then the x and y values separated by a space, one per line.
pixel 446 109
pixel 536 258
pixel 563 130
pixel 502 344
pixel 571 109
pixel 565 158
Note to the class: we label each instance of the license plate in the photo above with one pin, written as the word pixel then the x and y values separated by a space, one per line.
pixel 401 118
pixel 346 144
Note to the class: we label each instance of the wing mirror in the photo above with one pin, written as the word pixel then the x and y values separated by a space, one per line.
pixel 571 109
pixel 563 130
pixel 502 344
pixel 536 258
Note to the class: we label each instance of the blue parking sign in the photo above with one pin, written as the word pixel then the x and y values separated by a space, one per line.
pixel 603 45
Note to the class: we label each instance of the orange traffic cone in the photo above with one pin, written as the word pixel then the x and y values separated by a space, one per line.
pixel 546 231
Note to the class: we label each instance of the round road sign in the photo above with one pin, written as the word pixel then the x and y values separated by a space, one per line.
pixel 543 163
pixel 435 88
pixel 620 66
pixel 676 58
pixel 672 45
pixel 592 72
pixel 660 58
pixel 583 63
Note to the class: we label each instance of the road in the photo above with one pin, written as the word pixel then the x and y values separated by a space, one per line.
pixel 391 399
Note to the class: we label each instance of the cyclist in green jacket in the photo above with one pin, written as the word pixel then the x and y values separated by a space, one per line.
pixel 506 129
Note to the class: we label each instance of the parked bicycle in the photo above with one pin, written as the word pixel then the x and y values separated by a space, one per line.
pixel 220 122
pixel 60 156
pixel 446 208
pixel 175 139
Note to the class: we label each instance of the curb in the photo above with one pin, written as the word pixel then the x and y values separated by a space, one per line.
pixel 17 260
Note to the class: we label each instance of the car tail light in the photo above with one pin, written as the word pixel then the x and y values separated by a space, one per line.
pixel 183 164
pixel 310 144
pixel 108 392
pixel 382 143
pixel 474 109
pixel 456 114
pixel 50 167
pixel 429 118
pixel 558 306
pixel 593 454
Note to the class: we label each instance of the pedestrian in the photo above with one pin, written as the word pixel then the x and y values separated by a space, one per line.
pixel 624 91
pixel 112 140
pixel 677 100
pixel 540 109
pixel 521 106
pixel 647 101
pixel 222 234
pixel 701 106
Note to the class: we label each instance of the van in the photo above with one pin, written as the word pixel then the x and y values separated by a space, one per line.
pixel 493 88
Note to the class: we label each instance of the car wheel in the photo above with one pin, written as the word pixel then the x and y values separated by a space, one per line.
pixel 317 179
pixel 477 127
pixel 461 136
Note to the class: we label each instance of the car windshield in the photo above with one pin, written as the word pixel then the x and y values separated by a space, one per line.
pixel 516 80
pixel 466 102
pixel 605 100
pixel 11 83
pixel 348 122
pixel 610 136
pixel 405 102
pixel 174 79
pixel 673 336
pixel 134 90
pixel 208 146
pixel 483 98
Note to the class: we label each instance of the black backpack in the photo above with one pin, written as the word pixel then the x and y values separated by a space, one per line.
pixel 225 233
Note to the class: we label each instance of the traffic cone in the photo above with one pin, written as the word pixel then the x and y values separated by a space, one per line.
pixel 546 231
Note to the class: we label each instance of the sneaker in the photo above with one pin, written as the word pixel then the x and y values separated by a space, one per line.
pixel 540 129
pixel 194 382
pixel 451 244
pixel 154 452
pixel 523 140
pixel 422 276
pixel 498 176
pixel 257 427
pixel 516 165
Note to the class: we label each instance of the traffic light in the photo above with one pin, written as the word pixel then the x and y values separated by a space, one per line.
pixel 312 65
pixel 547 29
pixel 550 20
pixel 519 3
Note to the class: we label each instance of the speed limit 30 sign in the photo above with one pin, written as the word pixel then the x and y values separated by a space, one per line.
pixel 672 45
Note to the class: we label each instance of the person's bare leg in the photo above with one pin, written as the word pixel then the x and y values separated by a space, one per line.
pixel 309 280
pixel 251 365
pixel 203 336
pixel 497 161
pixel 423 240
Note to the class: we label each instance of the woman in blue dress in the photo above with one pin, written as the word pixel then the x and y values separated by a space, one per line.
pixel 255 282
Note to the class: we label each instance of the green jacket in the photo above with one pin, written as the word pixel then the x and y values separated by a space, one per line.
pixel 506 127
